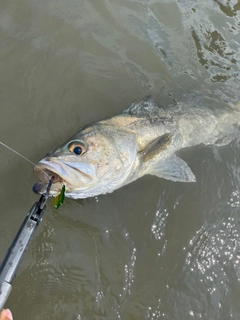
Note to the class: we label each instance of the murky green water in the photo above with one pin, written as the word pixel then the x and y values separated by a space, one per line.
pixel 154 249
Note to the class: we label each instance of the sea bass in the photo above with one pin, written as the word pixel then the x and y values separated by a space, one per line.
pixel 144 139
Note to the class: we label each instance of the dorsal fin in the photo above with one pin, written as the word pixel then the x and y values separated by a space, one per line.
pixel 145 108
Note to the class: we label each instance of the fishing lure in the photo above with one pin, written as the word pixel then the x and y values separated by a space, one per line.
pixel 58 201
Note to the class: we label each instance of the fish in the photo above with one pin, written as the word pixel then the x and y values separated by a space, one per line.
pixel 144 139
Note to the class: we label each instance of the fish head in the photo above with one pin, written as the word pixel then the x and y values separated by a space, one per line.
pixel 95 161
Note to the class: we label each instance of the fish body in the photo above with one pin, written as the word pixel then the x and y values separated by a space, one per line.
pixel 144 139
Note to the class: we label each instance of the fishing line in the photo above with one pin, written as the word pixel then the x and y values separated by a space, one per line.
pixel 19 154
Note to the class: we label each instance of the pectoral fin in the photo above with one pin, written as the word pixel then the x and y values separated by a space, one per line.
pixel 174 169
pixel 156 146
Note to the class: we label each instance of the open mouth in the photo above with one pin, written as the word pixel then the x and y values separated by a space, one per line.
pixel 51 175
pixel 45 170
pixel 45 174
pixel 72 175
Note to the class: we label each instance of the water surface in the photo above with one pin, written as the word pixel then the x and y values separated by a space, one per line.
pixel 154 249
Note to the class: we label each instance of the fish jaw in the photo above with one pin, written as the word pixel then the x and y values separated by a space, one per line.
pixel 75 176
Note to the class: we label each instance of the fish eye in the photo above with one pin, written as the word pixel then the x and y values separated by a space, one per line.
pixel 77 148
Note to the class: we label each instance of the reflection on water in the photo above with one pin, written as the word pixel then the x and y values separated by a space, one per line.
pixel 154 249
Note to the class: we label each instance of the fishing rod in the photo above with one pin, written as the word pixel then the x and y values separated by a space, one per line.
pixel 15 253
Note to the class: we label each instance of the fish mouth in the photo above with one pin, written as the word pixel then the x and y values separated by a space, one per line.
pixel 72 175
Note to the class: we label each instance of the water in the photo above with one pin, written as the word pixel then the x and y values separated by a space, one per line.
pixel 153 249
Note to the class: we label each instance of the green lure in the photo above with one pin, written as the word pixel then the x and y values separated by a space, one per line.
pixel 58 201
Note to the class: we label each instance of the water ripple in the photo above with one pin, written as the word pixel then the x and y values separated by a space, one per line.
pixel 212 251
pixel 129 276
pixel 159 224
